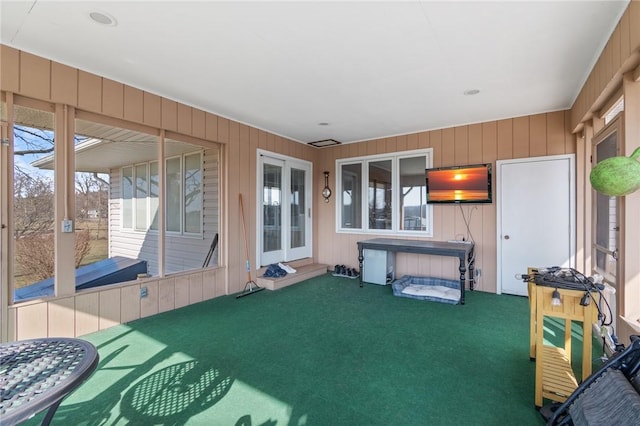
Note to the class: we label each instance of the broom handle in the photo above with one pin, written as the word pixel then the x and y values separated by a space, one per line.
pixel 244 236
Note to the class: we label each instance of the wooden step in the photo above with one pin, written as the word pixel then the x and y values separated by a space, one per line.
pixel 302 273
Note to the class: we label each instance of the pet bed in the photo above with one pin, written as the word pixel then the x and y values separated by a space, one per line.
pixel 428 288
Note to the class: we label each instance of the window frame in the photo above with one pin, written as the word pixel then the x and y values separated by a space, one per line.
pixel 615 126
pixel 180 198
pixel 148 199
pixel 183 206
pixel 141 204
pixel 364 162
pixel 127 216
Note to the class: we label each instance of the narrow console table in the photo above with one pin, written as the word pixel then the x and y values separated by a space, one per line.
pixel 462 250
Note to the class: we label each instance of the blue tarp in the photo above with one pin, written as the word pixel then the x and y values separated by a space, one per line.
pixel 109 271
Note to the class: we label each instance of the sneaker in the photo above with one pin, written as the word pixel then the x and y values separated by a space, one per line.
pixel 287 268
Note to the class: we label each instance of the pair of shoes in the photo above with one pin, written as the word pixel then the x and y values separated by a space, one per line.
pixel 351 272
pixel 340 270
pixel 274 271
pixel 287 268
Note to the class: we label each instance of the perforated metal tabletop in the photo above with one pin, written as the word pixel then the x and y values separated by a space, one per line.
pixel 38 374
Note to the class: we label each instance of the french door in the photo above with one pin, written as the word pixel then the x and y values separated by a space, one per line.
pixel 284 198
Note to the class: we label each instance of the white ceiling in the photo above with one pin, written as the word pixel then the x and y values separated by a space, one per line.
pixel 369 69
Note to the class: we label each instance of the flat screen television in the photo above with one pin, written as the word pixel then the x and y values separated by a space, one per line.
pixel 459 184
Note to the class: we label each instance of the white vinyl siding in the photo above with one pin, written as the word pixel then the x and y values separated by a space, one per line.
pixel 183 252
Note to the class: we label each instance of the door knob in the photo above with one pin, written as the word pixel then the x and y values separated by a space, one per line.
pixel 506 237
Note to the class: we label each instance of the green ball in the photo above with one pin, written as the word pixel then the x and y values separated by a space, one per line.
pixel 617 176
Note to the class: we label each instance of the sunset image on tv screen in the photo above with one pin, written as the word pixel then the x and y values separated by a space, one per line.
pixel 464 184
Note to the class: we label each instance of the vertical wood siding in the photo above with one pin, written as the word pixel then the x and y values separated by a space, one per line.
pixel 618 57
pixel 531 136
pixel 605 82
pixel 39 78
pixel 542 134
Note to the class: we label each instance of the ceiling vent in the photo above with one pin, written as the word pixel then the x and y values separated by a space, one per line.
pixel 325 142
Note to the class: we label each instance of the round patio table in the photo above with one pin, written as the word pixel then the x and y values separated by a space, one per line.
pixel 38 374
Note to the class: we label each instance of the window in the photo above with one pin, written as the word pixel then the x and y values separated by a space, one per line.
pixel 141 192
pixel 135 195
pixel 384 194
pixel 183 195
pixel 351 175
pixel 153 194
pixel 174 194
pixel 193 193
pixel 379 195
pixel 615 110
pixel 413 194
pixel 127 197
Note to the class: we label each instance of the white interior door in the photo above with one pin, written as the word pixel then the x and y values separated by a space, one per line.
pixel 284 227
pixel 536 217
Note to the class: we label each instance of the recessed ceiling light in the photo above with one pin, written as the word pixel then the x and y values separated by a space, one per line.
pixel 471 92
pixel 323 124
pixel 103 18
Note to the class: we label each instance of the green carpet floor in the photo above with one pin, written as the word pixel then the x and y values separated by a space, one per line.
pixel 322 352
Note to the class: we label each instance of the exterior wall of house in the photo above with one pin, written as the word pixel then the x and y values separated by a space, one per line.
pixel 182 252
pixel 529 136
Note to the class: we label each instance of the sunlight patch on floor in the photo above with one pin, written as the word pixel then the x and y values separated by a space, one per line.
pixel 247 406
pixel 150 382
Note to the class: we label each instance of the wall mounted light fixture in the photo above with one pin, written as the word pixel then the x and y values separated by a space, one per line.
pixel 326 192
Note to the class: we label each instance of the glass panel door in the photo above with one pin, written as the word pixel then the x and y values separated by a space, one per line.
pixel 272 194
pixel 297 204
pixel 300 211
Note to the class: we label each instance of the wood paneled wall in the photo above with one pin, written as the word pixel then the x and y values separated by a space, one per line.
pixel 620 55
pixel 97 309
pixel 619 59
pixel 31 76
pixel 530 136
